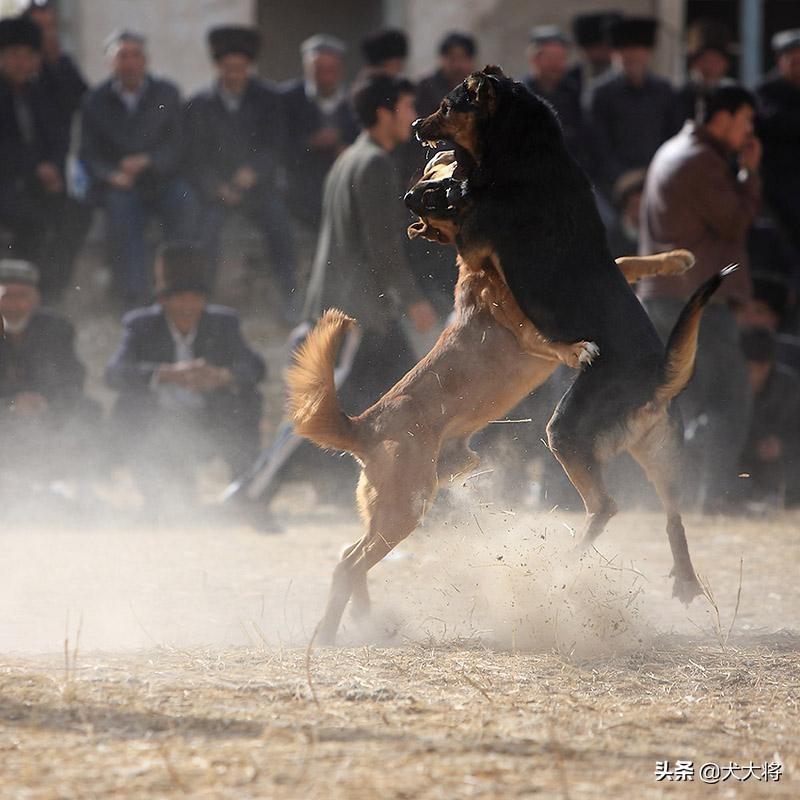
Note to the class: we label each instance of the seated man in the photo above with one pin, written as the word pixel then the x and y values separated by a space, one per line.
pixel 46 422
pixel 46 226
pixel 186 381
pixel 131 146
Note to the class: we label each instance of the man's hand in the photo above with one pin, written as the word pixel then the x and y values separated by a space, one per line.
pixel 245 178
pixel 28 404
pixel 769 449
pixel 133 165
pixel 422 316
pixel 229 195
pixel 50 177
pixel 197 375
pixel 750 154
pixel 325 139
pixel 119 180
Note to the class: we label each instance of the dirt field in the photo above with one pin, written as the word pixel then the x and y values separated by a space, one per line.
pixel 495 666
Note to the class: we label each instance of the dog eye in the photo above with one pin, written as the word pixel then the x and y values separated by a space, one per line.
pixel 445 108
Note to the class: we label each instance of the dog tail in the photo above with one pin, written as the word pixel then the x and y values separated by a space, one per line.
pixel 313 404
pixel 682 344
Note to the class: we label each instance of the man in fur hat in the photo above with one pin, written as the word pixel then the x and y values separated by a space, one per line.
pixel 236 139
pixel 590 32
pixel 186 380
pixel 632 110
pixel 47 226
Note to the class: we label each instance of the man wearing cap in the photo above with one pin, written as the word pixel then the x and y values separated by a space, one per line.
pixel 42 404
pixel 132 148
pixel 456 61
pixel 632 111
pixel 186 380
pixel 703 192
pixel 708 51
pixel 46 225
pixel 778 125
pixel 548 77
pixel 320 124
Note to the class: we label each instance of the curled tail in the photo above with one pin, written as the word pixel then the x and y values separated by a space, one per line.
pixel 313 404
pixel 682 344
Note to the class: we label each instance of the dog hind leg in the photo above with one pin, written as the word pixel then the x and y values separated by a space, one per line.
pixel 659 454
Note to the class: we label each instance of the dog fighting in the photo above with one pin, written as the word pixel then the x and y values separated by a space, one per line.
pixel 339 446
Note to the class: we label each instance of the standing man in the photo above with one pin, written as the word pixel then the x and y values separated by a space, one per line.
pixel 779 127
pixel 708 52
pixel 46 225
pixel 319 122
pixel 385 52
pixel 590 32
pixel 236 137
pixel 548 77
pixel 132 148
pixel 632 111
pixel 456 61
pixel 703 192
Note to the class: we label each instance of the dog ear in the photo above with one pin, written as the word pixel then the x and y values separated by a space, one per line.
pixel 493 69
pixel 483 91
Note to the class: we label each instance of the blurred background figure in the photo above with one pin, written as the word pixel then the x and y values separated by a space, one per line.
pixel 623 235
pixel 549 77
pixel 235 148
pixel 708 53
pixel 779 128
pixel 590 32
pixel 385 52
pixel 187 383
pixel 633 111
pixel 45 224
pixel 320 124
pixel 49 430
pixel 694 197
pixel 770 454
pixel 132 148
pixel 456 60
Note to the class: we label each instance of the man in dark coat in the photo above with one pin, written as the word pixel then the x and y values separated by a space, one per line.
pixel 186 380
pixel 695 198
pixel 319 124
pixel 632 111
pixel 590 32
pixel 132 148
pixel 456 60
pixel 548 77
pixel 46 225
pixel 236 139
pixel 778 125
pixel 47 425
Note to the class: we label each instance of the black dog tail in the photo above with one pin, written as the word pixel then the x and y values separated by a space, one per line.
pixel 682 344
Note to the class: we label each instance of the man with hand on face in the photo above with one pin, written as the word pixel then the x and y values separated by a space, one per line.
pixel 132 148
pixel 236 140
pixel 186 380
pixel 703 192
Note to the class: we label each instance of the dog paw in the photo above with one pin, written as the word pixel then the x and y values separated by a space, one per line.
pixel 583 354
pixel 686 589
pixel 676 262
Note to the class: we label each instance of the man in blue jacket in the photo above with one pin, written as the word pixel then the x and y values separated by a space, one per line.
pixel 132 148
pixel 186 378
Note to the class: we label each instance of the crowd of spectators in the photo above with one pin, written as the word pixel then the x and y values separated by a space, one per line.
pixel 708 166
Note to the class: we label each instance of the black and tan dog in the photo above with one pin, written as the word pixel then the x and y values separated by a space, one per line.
pixel 532 212
pixel 417 434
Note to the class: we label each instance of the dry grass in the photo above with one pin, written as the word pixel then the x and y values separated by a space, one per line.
pixel 411 722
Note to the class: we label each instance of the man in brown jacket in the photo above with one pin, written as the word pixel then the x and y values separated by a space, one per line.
pixel 702 193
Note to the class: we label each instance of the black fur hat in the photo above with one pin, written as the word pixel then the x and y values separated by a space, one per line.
pixel 20 31
pixel 633 32
pixel 384 45
pixel 234 39
pixel 589 29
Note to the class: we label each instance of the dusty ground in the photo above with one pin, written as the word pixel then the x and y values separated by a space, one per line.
pixel 495 667
pixel 172 662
